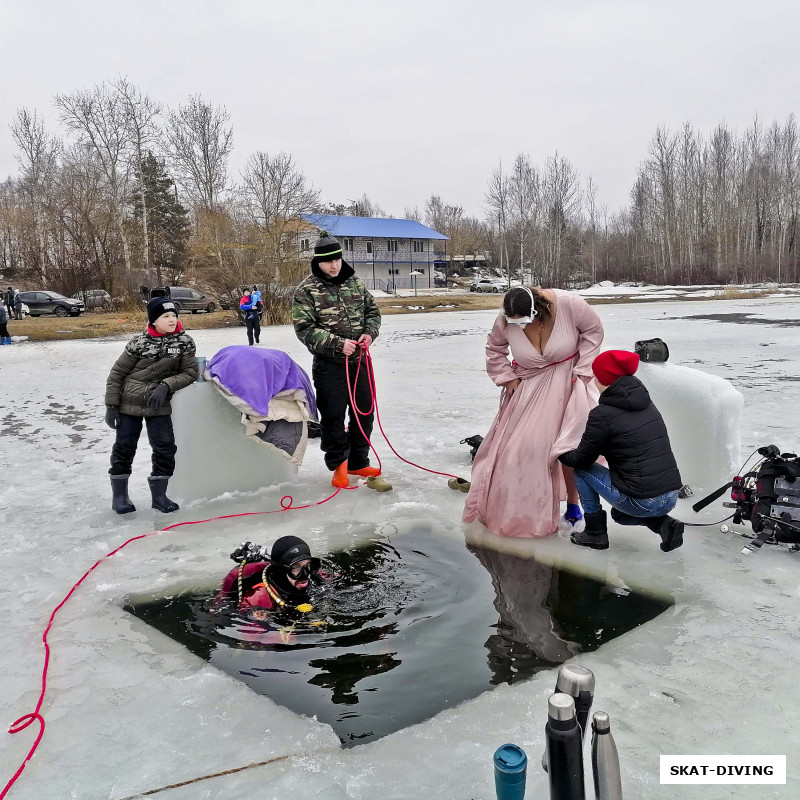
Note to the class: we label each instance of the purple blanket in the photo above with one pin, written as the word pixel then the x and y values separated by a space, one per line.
pixel 256 375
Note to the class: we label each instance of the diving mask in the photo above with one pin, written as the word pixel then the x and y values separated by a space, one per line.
pixel 518 320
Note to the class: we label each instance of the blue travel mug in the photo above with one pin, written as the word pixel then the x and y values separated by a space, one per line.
pixel 201 368
pixel 510 767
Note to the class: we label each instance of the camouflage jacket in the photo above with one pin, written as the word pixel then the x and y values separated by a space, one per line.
pixel 147 361
pixel 325 314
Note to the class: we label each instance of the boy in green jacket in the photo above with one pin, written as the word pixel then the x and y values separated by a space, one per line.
pixel 334 315
pixel 154 366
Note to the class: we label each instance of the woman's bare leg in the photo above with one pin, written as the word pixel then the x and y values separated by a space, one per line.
pixel 572 491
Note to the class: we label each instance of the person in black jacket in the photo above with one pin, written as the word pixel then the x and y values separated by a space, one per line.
pixel 642 480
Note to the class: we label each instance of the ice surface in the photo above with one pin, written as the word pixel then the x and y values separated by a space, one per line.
pixel 703 414
pixel 214 456
pixel 129 711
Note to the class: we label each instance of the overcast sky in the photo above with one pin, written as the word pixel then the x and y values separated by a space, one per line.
pixel 404 99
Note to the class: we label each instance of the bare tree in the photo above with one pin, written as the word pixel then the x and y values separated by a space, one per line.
pixel 38 159
pixel 523 190
pixel 497 201
pixel 200 144
pixel 561 201
pixel 591 210
pixel 141 118
pixel 99 119
pixel 275 192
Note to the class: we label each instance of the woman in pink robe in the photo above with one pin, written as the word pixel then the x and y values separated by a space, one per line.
pixel 517 481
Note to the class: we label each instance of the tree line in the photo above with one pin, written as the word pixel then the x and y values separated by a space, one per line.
pixel 131 193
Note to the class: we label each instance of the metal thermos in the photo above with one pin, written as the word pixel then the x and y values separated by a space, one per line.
pixel 201 368
pixel 564 749
pixel 605 760
pixel 578 683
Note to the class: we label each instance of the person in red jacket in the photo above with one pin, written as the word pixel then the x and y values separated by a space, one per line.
pixel 280 579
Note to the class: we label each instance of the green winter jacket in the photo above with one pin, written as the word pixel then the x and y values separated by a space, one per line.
pixel 325 312
pixel 147 361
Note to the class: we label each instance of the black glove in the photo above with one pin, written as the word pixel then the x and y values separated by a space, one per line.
pixel 159 395
pixel 112 417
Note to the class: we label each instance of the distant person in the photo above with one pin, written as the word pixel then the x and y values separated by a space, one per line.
pixel 250 315
pixel 255 295
pixel 517 481
pixel 282 578
pixel 154 365
pixel 642 480
pixel 17 305
pixel 8 300
pixel 5 338
pixel 334 315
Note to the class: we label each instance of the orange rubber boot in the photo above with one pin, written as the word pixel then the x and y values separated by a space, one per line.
pixel 340 479
pixel 365 472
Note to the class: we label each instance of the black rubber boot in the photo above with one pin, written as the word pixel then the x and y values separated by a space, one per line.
pixel 669 529
pixel 595 534
pixel 621 518
pixel 120 502
pixel 158 489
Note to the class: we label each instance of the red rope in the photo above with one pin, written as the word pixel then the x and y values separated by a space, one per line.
pixel 371 380
pixel 27 719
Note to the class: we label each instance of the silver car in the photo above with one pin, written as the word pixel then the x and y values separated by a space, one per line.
pixel 94 298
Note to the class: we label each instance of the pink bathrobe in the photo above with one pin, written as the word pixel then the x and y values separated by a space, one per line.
pixel 517 483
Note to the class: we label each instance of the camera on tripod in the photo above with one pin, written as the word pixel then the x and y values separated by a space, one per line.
pixel 768 497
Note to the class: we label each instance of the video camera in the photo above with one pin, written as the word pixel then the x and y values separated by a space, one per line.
pixel 249 553
pixel 768 497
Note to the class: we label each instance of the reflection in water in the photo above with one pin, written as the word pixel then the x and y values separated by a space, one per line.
pixel 341 673
pixel 526 635
pixel 403 630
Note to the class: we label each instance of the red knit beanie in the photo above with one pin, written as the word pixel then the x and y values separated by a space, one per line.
pixel 613 364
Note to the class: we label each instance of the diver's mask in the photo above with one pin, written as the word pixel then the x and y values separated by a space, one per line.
pixel 524 320
pixel 304 572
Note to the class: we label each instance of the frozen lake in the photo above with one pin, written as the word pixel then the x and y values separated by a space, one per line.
pixel 129 710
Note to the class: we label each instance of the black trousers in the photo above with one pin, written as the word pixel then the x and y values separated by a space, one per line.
pixel 333 402
pixel 4 330
pixel 253 328
pixel 162 440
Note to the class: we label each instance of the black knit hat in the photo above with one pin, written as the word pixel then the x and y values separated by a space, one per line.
pixel 326 248
pixel 159 306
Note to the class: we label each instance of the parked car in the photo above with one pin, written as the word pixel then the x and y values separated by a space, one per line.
pixel 184 298
pixel 94 298
pixel 51 303
pixel 489 285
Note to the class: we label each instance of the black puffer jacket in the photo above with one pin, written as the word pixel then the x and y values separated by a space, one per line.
pixel 147 361
pixel 629 431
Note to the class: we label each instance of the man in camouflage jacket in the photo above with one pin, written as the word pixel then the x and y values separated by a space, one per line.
pixel 334 317
pixel 153 366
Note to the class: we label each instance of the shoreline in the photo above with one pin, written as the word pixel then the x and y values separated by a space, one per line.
pixel 102 325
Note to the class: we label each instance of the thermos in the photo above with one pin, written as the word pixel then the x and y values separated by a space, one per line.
pixel 201 368
pixel 605 760
pixel 578 683
pixel 564 749
pixel 510 767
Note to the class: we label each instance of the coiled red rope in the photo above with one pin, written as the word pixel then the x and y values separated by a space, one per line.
pixel 364 355
pixel 36 716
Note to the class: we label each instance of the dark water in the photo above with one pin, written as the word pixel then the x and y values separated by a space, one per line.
pixel 411 624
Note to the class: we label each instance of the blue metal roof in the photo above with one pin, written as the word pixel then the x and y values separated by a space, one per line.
pixel 372 227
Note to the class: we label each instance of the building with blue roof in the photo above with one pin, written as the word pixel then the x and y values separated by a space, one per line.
pixel 387 254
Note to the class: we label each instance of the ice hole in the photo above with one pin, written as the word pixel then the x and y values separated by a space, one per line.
pixel 411 624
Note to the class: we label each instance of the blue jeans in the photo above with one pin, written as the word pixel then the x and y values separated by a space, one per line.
pixel 595 482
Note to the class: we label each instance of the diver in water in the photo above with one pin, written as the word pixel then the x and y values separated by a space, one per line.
pixel 280 578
